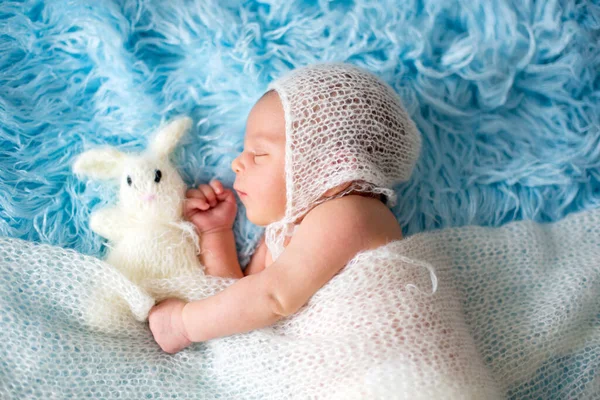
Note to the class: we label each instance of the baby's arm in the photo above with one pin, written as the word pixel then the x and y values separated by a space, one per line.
pixel 258 262
pixel 219 255
pixel 212 209
pixel 328 238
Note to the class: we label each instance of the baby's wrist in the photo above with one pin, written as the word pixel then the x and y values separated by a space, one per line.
pixel 218 254
pixel 218 230
pixel 184 330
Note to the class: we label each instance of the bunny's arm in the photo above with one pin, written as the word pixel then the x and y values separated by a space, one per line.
pixel 108 223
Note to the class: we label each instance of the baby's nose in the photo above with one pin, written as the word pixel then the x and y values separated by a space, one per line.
pixel 236 165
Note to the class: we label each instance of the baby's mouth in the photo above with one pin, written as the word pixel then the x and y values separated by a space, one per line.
pixel 240 193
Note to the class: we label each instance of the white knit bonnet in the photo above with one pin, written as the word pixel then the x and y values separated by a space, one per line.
pixel 342 124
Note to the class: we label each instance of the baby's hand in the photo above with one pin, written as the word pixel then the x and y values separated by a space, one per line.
pixel 210 207
pixel 166 324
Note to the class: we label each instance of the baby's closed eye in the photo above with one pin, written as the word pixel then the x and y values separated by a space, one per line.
pixel 259 154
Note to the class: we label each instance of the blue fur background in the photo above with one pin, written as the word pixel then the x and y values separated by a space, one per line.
pixel 505 93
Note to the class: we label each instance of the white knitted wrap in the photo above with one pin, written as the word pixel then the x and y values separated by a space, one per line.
pixel 343 124
pixel 515 312
pixel 372 332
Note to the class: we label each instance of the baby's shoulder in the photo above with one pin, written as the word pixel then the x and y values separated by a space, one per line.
pixel 366 216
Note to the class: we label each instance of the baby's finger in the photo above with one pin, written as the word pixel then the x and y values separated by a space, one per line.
pixel 209 193
pixel 195 194
pixel 217 186
pixel 189 208
pixel 226 195
pixel 192 204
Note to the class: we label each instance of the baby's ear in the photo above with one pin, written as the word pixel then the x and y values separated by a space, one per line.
pixel 102 163
pixel 165 140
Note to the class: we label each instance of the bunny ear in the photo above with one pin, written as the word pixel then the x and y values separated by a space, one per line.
pixel 103 163
pixel 163 142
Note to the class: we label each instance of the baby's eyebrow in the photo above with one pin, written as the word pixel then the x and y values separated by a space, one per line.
pixel 261 139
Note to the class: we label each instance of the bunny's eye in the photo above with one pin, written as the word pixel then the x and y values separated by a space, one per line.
pixel 129 180
pixel 157 176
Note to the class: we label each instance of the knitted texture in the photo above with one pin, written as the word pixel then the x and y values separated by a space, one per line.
pixel 374 331
pixel 147 235
pixel 530 294
pixel 343 125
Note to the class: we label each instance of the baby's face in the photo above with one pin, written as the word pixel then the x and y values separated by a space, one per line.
pixel 260 169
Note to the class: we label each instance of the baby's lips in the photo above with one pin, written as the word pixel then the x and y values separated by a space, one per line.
pixel 240 192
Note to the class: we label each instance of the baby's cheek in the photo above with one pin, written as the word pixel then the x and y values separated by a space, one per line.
pixel 274 205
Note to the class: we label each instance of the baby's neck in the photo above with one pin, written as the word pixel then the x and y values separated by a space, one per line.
pixel 377 196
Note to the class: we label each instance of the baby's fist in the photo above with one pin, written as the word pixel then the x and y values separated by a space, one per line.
pixel 210 207
pixel 166 324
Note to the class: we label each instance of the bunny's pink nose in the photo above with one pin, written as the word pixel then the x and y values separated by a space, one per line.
pixel 149 197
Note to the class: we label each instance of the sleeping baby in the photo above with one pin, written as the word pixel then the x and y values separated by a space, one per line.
pixel 324 174
pixel 323 149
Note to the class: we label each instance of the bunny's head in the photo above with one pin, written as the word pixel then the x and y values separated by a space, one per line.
pixel 150 186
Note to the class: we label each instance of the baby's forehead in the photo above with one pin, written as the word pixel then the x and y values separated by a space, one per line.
pixel 266 121
pixel 262 138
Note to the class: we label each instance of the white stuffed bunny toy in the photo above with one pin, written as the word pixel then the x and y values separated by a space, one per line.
pixel 148 239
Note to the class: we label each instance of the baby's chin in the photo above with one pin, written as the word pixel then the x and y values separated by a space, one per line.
pixel 261 219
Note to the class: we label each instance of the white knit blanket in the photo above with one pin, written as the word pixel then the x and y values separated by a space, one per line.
pixel 511 306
